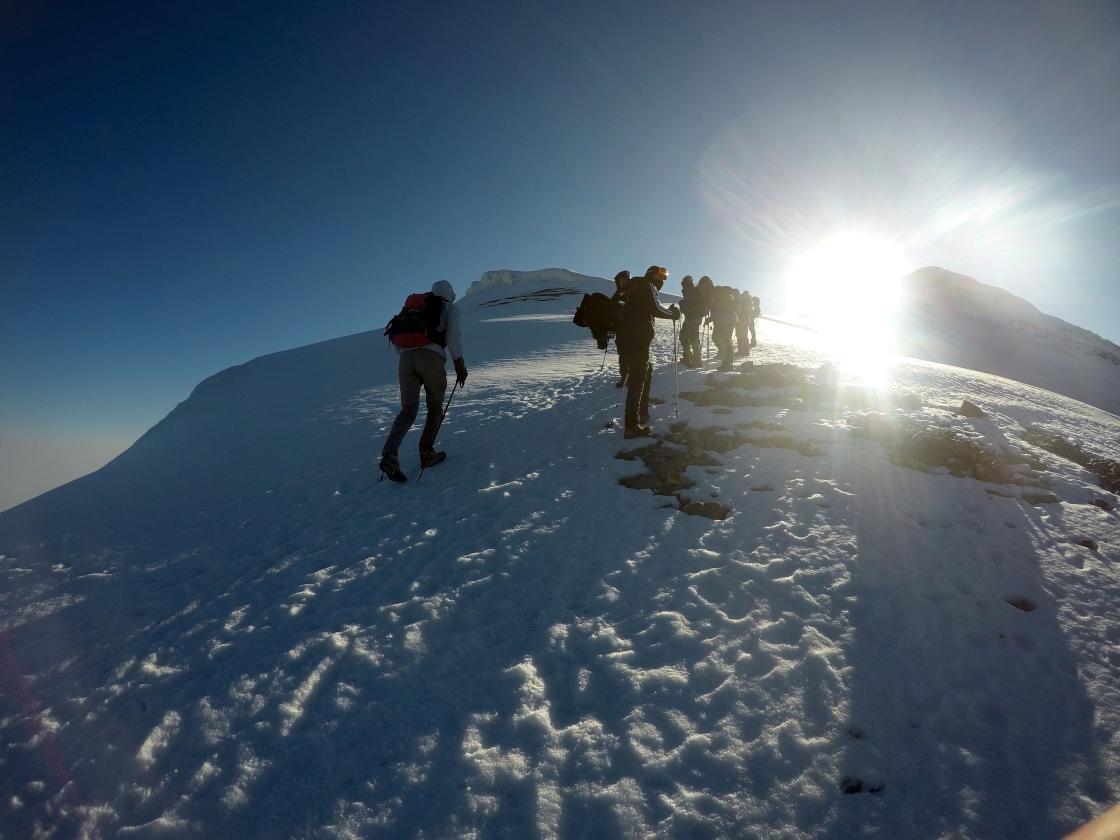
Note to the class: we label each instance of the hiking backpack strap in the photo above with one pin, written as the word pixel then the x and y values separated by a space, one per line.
pixel 417 324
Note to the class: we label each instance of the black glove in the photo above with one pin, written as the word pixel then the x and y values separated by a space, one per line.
pixel 676 312
pixel 460 372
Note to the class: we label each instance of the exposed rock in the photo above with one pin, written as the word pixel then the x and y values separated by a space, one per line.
pixel 1040 498
pixel 665 467
pixel 779 375
pixel 1089 543
pixel 726 389
pixel 1056 444
pixel 971 409
pixel 1103 504
pixel 849 785
pixel 662 484
pixel 963 457
pixel 712 510
pixel 716 439
pixel 786 441
pixel 728 397
pixel 1024 604
pixel 666 460
pixel 1106 470
pixel 712 438
pixel 767 425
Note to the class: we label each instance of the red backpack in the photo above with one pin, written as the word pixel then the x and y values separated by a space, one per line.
pixel 417 324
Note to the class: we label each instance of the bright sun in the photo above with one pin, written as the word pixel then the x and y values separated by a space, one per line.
pixel 847 288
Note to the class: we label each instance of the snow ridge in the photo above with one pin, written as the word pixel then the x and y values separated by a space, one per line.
pixel 957 320
pixel 492 281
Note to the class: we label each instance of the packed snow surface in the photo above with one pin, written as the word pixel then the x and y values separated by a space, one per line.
pixel 235 630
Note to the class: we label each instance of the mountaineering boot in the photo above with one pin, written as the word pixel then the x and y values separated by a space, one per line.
pixel 390 467
pixel 637 432
pixel 430 458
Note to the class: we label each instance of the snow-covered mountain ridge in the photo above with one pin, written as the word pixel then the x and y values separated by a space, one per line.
pixel 956 320
pixel 493 282
pixel 902 626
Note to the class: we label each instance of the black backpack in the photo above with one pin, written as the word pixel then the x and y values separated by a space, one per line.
pixel 417 324
pixel 594 313
pixel 723 300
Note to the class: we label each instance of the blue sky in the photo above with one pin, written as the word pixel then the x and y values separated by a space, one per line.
pixel 187 186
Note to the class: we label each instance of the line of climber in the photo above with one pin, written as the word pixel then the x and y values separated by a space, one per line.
pixel 629 315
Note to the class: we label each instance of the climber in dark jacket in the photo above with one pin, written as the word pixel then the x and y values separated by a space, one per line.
pixel 695 309
pixel 642 307
pixel 744 326
pixel 618 304
pixel 723 303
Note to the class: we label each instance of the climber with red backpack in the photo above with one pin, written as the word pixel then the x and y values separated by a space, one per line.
pixel 425 330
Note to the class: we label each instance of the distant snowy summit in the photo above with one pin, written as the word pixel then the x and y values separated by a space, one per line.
pixel 492 281
pixel 499 288
pixel 954 319
pixel 509 291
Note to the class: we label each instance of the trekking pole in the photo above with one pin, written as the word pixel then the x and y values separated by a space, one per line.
pixel 442 417
pixel 708 355
pixel 618 401
pixel 604 364
pixel 676 391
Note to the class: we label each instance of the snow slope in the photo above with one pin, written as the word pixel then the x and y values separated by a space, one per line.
pixel 233 630
pixel 954 319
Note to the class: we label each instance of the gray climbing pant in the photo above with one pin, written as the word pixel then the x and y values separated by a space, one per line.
pixel 420 367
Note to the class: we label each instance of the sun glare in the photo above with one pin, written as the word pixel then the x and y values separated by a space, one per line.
pixel 847 289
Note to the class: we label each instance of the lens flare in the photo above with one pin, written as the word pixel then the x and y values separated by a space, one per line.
pixel 847 289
